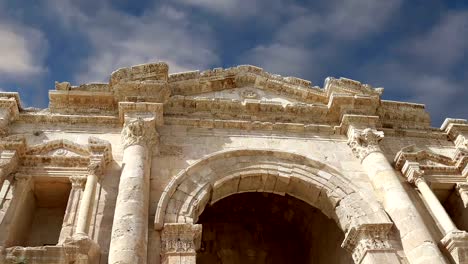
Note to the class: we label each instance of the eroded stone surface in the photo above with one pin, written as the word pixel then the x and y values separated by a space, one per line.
pixel 125 171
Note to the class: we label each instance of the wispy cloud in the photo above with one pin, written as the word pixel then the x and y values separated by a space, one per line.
pixel 318 36
pixel 443 46
pixel 118 39
pixel 22 51
pixel 420 69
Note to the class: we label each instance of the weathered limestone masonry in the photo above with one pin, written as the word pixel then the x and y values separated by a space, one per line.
pixel 137 170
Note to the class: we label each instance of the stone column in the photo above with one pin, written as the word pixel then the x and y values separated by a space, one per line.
pixel 78 183
pixel 455 240
pixel 130 227
pixel 416 239
pixel 179 243
pixel 19 212
pixel 86 204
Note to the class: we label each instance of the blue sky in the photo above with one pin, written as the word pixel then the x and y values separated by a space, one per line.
pixel 416 50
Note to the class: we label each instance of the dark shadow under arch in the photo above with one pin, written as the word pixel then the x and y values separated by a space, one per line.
pixel 268 228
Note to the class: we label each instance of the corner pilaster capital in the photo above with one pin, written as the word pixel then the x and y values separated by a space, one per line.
pixel 363 239
pixel 412 172
pixel 180 239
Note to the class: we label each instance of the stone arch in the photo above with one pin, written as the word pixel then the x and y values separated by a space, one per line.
pixel 228 172
pixel 225 173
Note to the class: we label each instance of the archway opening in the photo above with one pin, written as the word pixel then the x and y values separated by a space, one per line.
pixel 268 228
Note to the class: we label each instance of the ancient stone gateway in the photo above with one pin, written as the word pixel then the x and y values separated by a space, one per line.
pixel 229 166
pixel 227 173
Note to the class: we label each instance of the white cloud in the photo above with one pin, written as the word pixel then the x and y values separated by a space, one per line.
pixel 444 45
pixel 119 40
pixel 262 10
pixel 318 36
pixel 22 51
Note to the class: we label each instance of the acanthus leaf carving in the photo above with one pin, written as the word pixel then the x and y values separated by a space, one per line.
pixel 180 238
pixel 364 142
pixel 139 132
pixel 365 238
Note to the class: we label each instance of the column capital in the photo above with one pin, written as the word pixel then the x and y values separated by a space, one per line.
pixel 456 242
pixel 364 141
pixel 139 132
pixel 180 239
pixel 367 238
pixel 78 182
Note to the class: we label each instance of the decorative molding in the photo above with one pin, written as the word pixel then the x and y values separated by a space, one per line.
pixel 180 239
pixel 367 238
pixel 456 242
pixel 41 160
pixel 364 142
pixel 413 172
pixel 432 163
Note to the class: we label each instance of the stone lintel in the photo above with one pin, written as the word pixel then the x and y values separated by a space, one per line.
pixel 144 109
pixel 349 122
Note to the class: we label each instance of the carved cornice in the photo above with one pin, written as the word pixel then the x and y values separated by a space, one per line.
pixel 180 239
pixel 364 142
pixel 55 156
pixel 366 238
pixel 428 162
pixel 151 83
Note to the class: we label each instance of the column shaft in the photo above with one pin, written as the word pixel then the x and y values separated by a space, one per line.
pixel 86 205
pixel 130 227
pixel 416 238
pixel 71 211
pixel 436 207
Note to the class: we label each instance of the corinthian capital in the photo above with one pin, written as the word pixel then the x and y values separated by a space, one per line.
pixel 366 239
pixel 364 142
pixel 180 238
pixel 139 131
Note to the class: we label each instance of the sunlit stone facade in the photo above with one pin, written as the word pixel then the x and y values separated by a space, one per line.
pixel 229 166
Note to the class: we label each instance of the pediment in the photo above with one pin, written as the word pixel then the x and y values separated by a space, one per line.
pixel 247 93
pixel 62 148
pixel 431 162
pixel 423 157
